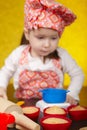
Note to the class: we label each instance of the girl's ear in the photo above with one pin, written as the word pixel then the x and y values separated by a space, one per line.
pixel 26 33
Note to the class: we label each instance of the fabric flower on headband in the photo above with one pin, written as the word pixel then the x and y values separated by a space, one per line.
pixel 47 14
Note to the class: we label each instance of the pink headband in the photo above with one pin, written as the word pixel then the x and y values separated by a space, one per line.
pixel 48 14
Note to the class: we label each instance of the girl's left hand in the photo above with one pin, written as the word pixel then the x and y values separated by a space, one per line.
pixel 71 100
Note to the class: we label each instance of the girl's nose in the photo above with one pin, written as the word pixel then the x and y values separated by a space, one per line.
pixel 47 43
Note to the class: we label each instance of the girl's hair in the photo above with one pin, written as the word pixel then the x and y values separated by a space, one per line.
pixel 24 41
pixel 53 55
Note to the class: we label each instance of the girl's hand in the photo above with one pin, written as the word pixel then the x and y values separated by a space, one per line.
pixel 71 100
pixel 3 93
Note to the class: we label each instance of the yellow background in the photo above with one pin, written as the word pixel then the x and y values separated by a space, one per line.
pixel 73 39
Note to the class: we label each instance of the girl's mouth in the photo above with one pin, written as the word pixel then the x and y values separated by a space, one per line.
pixel 44 51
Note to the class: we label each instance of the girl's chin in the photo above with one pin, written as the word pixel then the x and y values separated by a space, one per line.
pixel 44 55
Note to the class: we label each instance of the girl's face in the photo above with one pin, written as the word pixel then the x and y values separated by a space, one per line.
pixel 42 41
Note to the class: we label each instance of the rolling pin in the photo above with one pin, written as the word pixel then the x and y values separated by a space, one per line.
pixel 24 121
pixel 19 127
pixel 83 128
pixel 7 106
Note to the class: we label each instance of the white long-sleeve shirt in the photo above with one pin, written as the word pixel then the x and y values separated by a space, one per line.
pixel 68 64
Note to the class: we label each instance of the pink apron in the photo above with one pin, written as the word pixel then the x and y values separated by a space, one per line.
pixel 30 82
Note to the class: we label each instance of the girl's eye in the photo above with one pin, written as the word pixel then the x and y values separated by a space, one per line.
pixel 54 38
pixel 40 37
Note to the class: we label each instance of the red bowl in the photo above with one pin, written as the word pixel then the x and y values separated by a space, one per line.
pixel 31 112
pixel 57 114
pixel 77 114
pixel 58 126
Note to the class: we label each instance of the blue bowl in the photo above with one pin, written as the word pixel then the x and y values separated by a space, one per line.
pixel 54 95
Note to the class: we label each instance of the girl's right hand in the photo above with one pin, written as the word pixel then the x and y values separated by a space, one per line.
pixel 3 93
pixel 71 100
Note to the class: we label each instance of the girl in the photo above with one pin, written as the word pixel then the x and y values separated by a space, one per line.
pixel 38 63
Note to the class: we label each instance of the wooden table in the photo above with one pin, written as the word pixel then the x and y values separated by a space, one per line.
pixel 76 125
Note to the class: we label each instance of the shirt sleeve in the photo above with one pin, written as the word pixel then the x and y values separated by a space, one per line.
pixel 74 71
pixel 9 68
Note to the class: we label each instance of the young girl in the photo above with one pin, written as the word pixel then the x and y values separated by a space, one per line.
pixel 39 63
